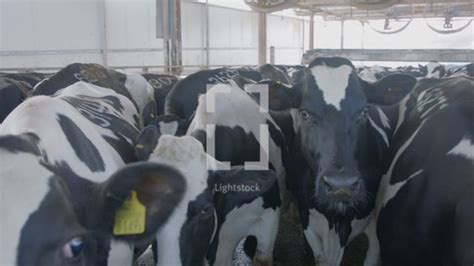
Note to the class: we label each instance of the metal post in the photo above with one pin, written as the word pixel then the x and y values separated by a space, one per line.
pixel 207 34
pixel 262 38
pixel 342 34
pixel 176 51
pixel 302 37
pixel 103 32
pixel 165 25
pixel 311 32
pixel 272 54
pixel 172 35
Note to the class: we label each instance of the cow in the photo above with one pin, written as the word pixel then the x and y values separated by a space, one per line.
pixel 274 73
pixel 148 138
pixel 66 152
pixel 183 98
pixel 15 88
pixel 432 70
pixel 238 137
pixel 32 78
pixel 12 93
pixel 463 70
pixel 374 73
pixel 235 142
pixel 162 85
pixel 132 86
pixel 295 72
pixel 424 212
pixel 334 137
pixel 219 208
pixel 396 85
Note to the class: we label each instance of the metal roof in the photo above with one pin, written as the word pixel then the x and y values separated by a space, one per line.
pixel 370 9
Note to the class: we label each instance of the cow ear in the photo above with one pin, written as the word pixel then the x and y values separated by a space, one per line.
pixel 283 97
pixel 389 90
pixel 149 113
pixel 242 81
pixel 146 142
pixel 137 200
pixel 238 186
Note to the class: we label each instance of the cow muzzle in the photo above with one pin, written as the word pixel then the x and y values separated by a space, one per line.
pixel 341 186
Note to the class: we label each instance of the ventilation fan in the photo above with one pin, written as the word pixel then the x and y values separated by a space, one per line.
pixel 450 23
pixel 391 24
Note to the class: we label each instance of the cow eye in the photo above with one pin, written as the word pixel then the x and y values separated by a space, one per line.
pixel 205 210
pixel 305 114
pixel 73 249
pixel 362 115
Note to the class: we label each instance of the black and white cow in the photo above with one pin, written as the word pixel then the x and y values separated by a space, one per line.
pixel 132 86
pixel 424 212
pixel 396 87
pixel 274 73
pixel 241 131
pixel 237 142
pixel 183 98
pixel 464 70
pixel 219 207
pixel 148 138
pixel 334 151
pixel 12 93
pixel 162 84
pixel 295 72
pixel 32 78
pixel 66 153
pixel 432 70
pixel 15 88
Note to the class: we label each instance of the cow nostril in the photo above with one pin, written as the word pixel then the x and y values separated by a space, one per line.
pixel 341 184
pixel 327 183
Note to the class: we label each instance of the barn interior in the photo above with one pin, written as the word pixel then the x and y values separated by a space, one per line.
pixel 182 37
pixel 185 36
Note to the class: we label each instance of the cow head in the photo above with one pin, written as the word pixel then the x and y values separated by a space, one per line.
pixel 201 226
pixel 432 70
pixel 332 115
pixel 69 220
pixel 168 124
pixel 336 149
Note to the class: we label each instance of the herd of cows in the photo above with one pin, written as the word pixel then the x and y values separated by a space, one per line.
pixel 97 165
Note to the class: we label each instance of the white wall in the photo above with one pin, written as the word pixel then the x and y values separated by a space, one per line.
pixel 73 31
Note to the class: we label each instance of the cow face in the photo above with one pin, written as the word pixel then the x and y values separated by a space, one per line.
pixel 148 138
pixel 332 115
pixel 69 220
pixel 201 226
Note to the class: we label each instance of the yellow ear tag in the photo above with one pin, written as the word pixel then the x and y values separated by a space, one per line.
pixel 130 219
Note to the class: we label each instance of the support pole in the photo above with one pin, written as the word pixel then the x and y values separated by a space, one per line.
pixel 176 52
pixel 262 38
pixel 272 54
pixel 207 34
pixel 342 34
pixel 103 31
pixel 302 37
pixel 172 36
pixel 311 32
